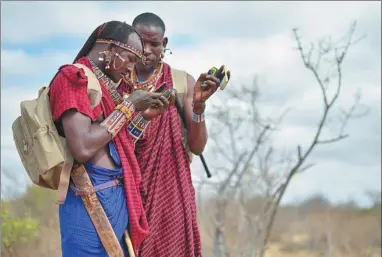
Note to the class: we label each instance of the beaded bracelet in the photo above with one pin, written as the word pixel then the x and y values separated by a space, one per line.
pixel 137 127
pixel 118 118
pixel 198 118
pixel 125 110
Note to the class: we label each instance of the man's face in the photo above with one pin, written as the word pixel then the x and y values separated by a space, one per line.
pixel 154 44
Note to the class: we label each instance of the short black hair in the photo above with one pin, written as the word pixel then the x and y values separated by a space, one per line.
pixel 149 18
pixel 112 30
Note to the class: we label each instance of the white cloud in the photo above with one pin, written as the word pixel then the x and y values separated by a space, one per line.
pixel 256 39
pixel 338 181
pixel 32 22
pixel 19 63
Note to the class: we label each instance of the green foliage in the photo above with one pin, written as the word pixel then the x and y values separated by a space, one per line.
pixel 40 201
pixel 15 229
pixel 374 210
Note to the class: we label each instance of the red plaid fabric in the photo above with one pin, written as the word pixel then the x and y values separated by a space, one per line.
pixel 69 90
pixel 166 188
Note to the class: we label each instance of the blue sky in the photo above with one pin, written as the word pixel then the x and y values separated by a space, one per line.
pixel 250 38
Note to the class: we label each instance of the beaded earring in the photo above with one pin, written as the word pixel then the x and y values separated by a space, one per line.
pixel 122 60
pixel 106 58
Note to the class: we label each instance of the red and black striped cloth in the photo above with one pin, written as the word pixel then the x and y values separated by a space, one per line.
pixel 166 188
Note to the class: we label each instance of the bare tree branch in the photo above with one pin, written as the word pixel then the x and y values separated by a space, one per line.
pixel 254 167
pixel 332 140
pixel 310 67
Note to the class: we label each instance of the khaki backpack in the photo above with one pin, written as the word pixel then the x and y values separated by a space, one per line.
pixel 179 81
pixel 42 150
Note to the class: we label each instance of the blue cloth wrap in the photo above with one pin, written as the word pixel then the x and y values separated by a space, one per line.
pixel 78 235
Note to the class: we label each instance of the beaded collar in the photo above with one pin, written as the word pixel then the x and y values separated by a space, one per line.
pixel 110 85
pixel 150 83
pixel 126 47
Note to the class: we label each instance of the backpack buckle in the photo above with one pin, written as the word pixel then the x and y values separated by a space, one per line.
pixel 25 145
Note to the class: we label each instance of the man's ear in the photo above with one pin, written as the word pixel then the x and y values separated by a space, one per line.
pixel 164 42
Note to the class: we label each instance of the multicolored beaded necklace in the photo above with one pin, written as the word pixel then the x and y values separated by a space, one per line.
pixel 149 84
pixel 110 85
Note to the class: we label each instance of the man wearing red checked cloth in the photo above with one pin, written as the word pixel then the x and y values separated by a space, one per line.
pixel 166 188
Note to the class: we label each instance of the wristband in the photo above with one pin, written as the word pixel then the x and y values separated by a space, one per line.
pixel 137 127
pixel 198 118
pixel 118 118
pixel 125 102
pixel 114 122
pixel 128 112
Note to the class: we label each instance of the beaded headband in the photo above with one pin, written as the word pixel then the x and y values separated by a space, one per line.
pixel 126 47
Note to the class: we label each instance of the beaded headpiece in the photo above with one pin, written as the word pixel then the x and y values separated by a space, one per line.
pixel 124 46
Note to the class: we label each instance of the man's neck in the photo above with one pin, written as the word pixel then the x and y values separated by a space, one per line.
pixel 143 74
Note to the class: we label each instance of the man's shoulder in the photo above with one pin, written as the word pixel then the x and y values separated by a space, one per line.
pixel 176 70
pixel 179 80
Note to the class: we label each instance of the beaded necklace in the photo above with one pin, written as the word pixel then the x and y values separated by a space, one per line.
pixel 149 84
pixel 110 85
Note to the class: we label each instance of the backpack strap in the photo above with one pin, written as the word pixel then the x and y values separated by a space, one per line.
pixel 179 82
pixel 94 88
pixel 63 186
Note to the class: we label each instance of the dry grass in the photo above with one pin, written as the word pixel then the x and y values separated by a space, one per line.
pixel 297 232
pixel 275 250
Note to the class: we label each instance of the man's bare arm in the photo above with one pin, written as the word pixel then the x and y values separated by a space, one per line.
pixel 197 132
pixel 83 138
